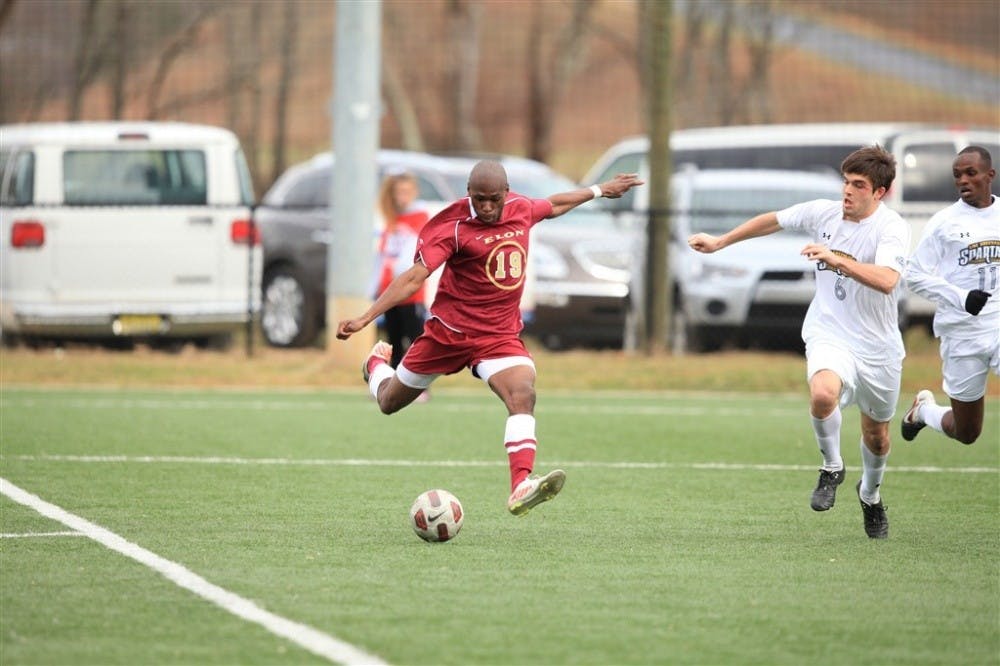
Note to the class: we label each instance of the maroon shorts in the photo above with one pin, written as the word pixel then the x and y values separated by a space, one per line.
pixel 441 351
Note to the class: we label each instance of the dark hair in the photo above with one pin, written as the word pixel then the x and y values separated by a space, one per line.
pixel 983 154
pixel 874 162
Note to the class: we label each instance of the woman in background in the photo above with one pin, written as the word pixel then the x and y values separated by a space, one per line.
pixel 397 202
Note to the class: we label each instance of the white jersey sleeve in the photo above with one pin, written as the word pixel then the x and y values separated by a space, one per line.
pixel 959 252
pixel 893 245
pixel 921 270
pixel 807 216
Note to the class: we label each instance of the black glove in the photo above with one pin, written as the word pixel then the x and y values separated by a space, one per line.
pixel 975 301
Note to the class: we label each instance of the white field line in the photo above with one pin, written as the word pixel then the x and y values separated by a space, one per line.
pixel 28 535
pixel 315 641
pixel 617 409
pixel 366 462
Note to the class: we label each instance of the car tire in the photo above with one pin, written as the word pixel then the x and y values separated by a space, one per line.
pixel 9 340
pixel 692 338
pixel 289 310
pixel 703 339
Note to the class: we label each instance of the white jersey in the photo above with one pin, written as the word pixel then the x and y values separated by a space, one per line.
pixel 845 312
pixel 959 252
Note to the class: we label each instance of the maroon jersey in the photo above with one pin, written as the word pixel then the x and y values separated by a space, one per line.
pixel 484 264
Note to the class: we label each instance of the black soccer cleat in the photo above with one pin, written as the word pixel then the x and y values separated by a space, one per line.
pixel 826 489
pixel 876 522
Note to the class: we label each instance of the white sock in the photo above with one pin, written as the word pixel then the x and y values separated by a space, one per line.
pixel 382 372
pixel 828 437
pixel 519 428
pixel 932 415
pixel 872 471
pixel 519 440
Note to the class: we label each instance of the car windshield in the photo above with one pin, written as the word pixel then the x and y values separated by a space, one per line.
pixel 718 210
pixel 135 177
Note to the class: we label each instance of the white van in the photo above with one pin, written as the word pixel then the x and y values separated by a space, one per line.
pixel 127 230
pixel 923 152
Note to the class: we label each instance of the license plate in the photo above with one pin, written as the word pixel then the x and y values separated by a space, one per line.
pixel 137 324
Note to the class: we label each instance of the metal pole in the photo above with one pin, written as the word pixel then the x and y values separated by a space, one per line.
pixel 356 112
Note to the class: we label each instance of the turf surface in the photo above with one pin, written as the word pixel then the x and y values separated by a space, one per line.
pixel 683 535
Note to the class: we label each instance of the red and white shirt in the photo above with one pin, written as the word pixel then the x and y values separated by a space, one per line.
pixel 484 264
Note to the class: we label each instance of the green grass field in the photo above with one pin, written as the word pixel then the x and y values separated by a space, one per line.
pixel 683 534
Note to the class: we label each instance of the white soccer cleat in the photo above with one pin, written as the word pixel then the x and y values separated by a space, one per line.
pixel 380 353
pixel 534 490
pixel 912 424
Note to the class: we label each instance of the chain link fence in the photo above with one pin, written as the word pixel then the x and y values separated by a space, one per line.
pixel 557 81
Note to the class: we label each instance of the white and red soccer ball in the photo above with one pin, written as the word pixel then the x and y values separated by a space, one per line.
pixel 436 515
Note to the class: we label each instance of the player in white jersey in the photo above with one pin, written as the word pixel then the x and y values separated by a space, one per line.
pixel 854 350
pixel 957 265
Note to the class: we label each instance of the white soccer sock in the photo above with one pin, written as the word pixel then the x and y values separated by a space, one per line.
pixel 382 372
pixel 932 415
pixel 519 440
pixel 519 428
pixel 828 437
pixel 872 471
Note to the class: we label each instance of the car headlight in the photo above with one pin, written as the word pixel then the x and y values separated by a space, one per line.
pixel 604 260
pixel 699 269
pixel 547 263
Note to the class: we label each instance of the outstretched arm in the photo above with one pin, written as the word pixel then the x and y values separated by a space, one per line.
pixel 761 225
pixel 613 189
pixel 400 289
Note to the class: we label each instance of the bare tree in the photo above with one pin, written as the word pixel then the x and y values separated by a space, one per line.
pixel 401 106
pixel 5 8
pixel 548 78
pixel 177 46
pixel 689 95
pixel 756 92
pixel 120 55
pixel 694 37
pixel 86 61
pixel 289 68
pixel 234 32
pixel 464 18
pixel 720 66
pixel 43 92
pixel 656 52
pixel 252 74
pixel 396 94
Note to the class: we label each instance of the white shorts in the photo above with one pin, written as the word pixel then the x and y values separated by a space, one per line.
pixel 483 370
pixel 874 388
pixel 966 365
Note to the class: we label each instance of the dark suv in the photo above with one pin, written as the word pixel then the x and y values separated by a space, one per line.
pixel 294 222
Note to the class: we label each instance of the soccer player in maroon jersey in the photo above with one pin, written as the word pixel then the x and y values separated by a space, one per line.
pixel 475 321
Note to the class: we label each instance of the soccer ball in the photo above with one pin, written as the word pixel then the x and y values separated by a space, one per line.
pixel 436 515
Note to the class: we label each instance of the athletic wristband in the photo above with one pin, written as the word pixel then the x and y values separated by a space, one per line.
pixel 596 189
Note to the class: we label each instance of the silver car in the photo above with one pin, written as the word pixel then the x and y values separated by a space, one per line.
pixel 758 290
pixel 753 292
